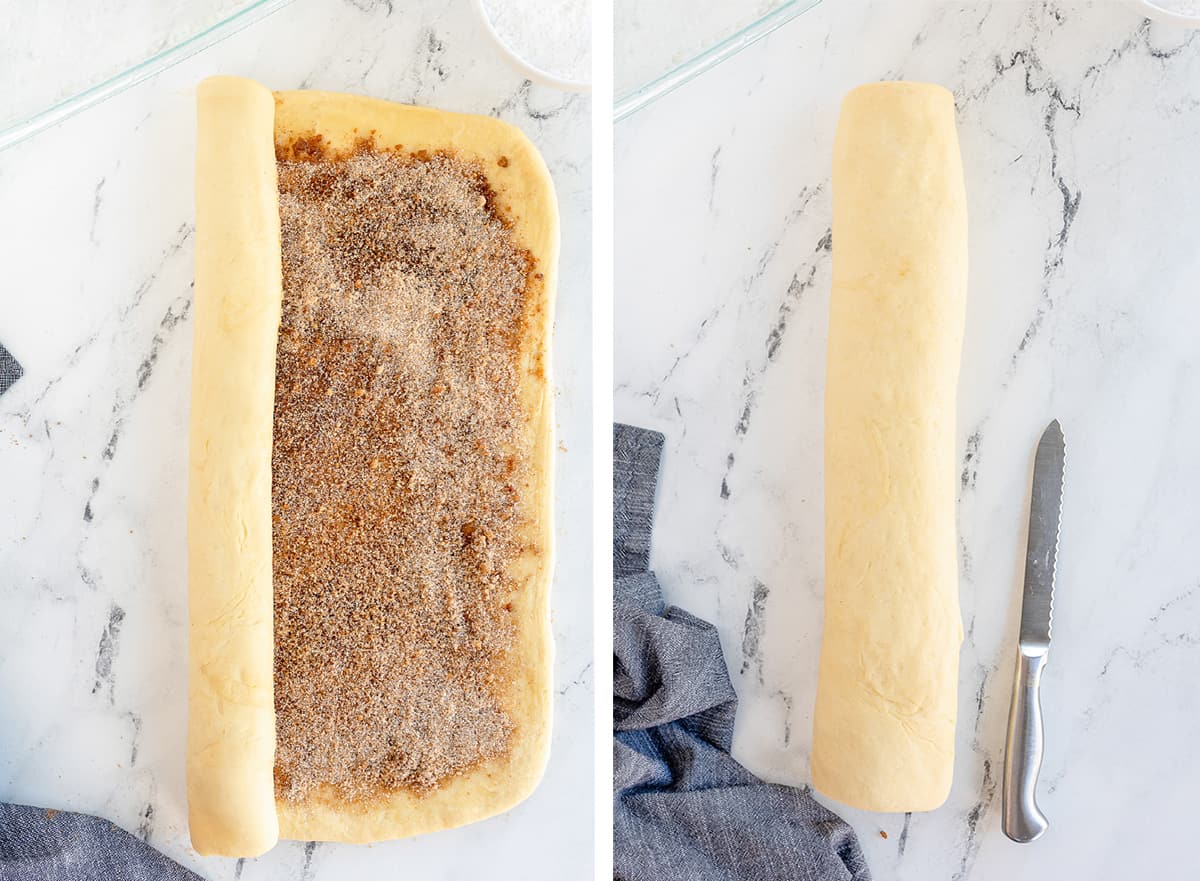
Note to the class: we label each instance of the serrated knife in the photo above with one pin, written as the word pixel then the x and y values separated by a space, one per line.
pixel 1023 821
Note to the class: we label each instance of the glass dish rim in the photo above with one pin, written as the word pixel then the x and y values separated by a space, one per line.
pixel 95 94
pixel 626 105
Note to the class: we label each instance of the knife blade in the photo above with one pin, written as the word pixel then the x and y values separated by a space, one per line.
pixel 1041 555
pixel 1023 821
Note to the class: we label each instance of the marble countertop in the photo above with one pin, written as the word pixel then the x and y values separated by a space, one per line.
pixel 95 303
pixel 1079 127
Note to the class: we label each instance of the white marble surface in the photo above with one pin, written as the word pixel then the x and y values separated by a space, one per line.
pixel 49 51
pixel 1080 127
pixel 650 39
pixel 95 302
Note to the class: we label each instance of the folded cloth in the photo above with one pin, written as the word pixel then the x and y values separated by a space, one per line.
pixel 10 370
pixel 683 807
pixel 41 845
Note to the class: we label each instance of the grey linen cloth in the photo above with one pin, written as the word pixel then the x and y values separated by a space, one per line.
pixel 41 845
pixel 10 370
pixel 683 807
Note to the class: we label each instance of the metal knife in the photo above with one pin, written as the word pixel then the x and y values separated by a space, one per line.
pixel 1022 820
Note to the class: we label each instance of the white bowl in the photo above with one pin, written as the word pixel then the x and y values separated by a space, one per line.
pixel 535 74
pixel 1156 12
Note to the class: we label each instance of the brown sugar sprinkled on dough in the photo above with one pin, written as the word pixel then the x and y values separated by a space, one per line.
pixel 310 149
pixel 398 452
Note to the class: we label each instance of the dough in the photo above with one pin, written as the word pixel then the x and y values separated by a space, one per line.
pixel 232 806
pixel 231 711
pixel 883 736
pixel 526 194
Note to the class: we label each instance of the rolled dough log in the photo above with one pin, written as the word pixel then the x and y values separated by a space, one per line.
pixel 883 736
pixel 231 710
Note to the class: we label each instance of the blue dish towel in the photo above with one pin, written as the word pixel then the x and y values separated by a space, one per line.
pixel 41 845
pixel 684 809
pixel 10 370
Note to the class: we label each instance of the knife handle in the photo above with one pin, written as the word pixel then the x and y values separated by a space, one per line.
pixel 1023 821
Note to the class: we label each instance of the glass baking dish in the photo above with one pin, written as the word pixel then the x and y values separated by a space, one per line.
pixel 58 57
pixel 659 46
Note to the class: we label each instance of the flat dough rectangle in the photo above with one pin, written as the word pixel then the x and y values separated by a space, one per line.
pixel 232 806
pixel 883 737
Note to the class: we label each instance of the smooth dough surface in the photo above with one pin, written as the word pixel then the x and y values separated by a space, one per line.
pixel 883 736
pixel 238 291
pixel 525 193
pixel 231 743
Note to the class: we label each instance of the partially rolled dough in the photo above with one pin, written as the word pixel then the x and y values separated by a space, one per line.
pixel 238 291
pixel 883 736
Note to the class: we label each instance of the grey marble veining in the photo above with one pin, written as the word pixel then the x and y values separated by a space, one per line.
pixel 96 304
pixel 1079 125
